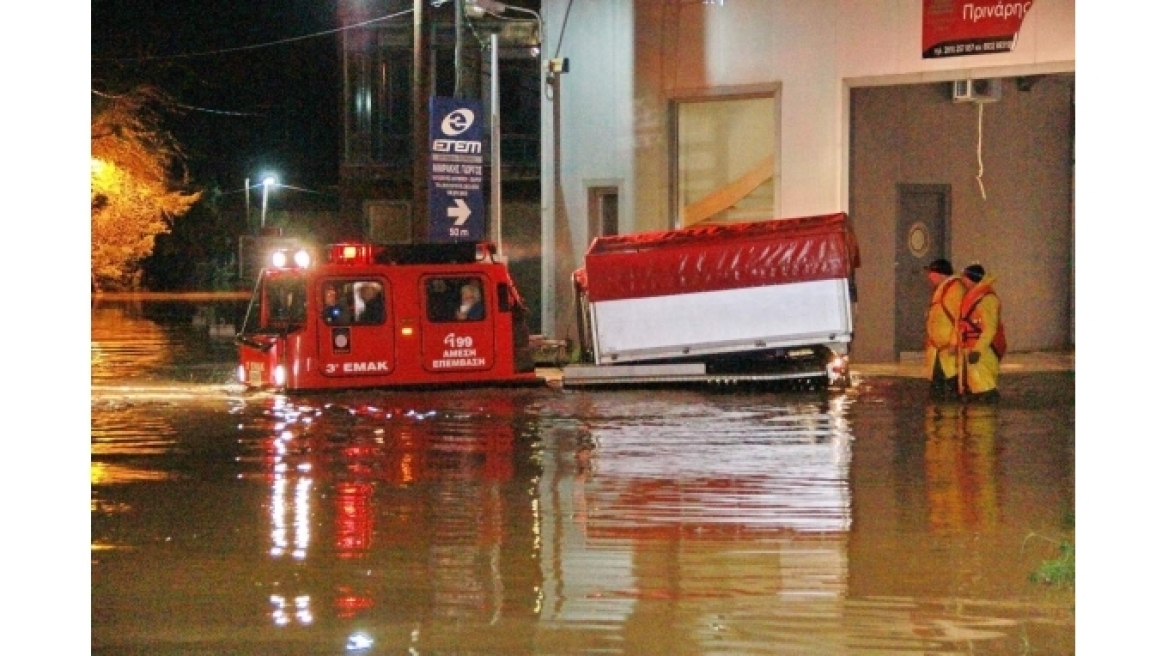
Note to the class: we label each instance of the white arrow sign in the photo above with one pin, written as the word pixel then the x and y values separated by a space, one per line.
pixel 460 213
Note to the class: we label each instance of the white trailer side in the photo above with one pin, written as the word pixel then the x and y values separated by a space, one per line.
pixel 760 301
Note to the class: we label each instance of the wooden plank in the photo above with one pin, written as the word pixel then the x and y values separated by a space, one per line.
pixel 729 194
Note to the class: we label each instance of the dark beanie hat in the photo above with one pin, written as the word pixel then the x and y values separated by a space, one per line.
pixel 974 272
pixel 941 266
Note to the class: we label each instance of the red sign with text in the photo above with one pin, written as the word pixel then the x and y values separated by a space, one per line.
pixel 955 28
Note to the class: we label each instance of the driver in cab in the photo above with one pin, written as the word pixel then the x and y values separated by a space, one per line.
pixel 471 306
pixel 335 313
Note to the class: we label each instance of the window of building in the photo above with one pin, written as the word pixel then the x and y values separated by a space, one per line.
pixel 377 94
pixel 726 160
pixel 603 217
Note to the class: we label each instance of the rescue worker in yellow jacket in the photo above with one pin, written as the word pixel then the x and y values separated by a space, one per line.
pixel 941 335
pixel 981 312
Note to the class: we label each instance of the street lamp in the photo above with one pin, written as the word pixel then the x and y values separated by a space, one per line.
pixel 269 181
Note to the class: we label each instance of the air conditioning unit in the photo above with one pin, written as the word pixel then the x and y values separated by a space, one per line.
pixel 986 90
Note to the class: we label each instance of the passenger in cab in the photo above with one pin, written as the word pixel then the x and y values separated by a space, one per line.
pixel 335 313
pixel 373 304
pixel 471 308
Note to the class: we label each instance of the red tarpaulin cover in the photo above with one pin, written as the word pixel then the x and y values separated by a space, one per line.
pixel 718 257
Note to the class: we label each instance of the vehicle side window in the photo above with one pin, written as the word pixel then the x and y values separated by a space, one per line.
pixel 353 302
pixel 455 299
pixel 336 297
pixel 369 303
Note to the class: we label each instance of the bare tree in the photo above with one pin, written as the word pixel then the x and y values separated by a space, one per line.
pixel 137 183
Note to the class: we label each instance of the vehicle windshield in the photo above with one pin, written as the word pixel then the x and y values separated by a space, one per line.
pixel 278 305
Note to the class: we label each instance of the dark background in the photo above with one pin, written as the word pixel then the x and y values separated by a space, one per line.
pixel 257 91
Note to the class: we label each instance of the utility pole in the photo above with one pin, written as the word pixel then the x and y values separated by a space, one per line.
pixel 496 164
pixel 468 58
pixel 247 204
pixel 459 62
pixel 420 215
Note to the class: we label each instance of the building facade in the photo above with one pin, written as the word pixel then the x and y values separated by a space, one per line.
pixel 378 150
pixel 659 114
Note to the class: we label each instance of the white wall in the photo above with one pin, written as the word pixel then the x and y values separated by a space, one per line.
pixel 595 104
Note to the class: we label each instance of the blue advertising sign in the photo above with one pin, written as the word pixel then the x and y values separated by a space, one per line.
pixel 456 170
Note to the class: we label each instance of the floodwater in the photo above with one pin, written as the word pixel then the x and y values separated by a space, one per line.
pixel 550 521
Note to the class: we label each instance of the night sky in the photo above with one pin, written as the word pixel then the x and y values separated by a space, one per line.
pixel 253 104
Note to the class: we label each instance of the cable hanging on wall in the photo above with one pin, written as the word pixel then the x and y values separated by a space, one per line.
pixel 980 165
pixel 978 92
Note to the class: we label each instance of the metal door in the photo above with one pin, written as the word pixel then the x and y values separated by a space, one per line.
pixel 922 231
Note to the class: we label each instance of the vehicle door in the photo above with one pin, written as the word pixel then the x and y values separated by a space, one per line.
pixel 356 338
pixel 458 332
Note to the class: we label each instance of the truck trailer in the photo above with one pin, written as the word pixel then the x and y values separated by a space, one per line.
pixel 757 302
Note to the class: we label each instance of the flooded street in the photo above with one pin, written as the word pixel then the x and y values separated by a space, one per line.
pixel 545 521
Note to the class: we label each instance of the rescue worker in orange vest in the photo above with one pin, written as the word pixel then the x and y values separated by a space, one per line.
pixel 981 312
pixel 941 336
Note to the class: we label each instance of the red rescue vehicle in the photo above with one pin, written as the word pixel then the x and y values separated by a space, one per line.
pixel 385 315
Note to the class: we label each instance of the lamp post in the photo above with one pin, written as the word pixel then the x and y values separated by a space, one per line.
pixel 269 181
pixel 478 9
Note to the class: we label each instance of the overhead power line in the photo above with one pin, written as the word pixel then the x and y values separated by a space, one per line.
pixel 223 51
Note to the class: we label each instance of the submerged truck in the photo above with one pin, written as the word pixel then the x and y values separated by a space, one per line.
pixel 755 302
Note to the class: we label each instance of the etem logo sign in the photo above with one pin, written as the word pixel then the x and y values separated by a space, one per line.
pixel 452 125
pixel 456 205
pixel 457 122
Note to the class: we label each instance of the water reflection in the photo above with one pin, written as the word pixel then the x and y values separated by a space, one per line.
pixel 539 521
pixel 411 507
pixel 155 340
pixel 695 521
pixel 960 476
pixel 706 516
pixel 123 344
